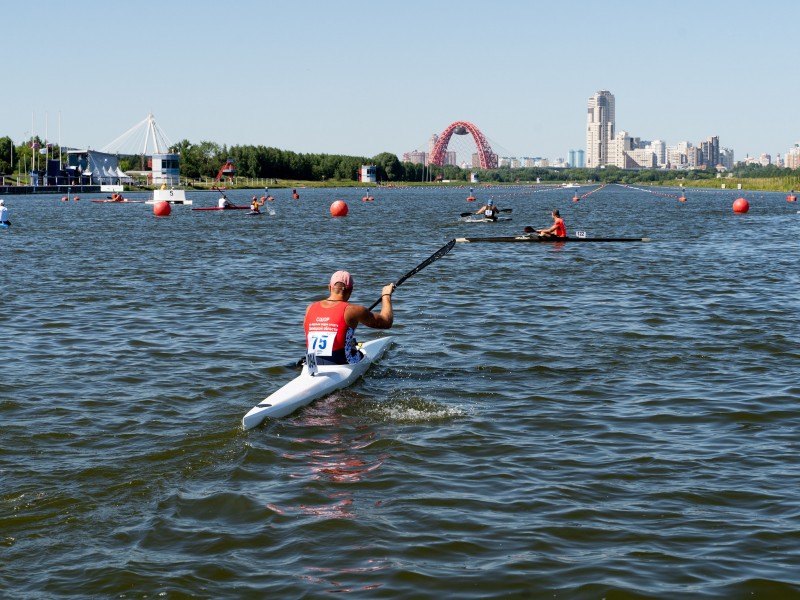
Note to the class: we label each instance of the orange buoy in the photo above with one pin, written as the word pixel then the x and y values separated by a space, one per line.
pixel 470 198
pixel 270 199
pixel 339 208
pixel 76 198
pixel 575 198
pixel 791 198
pixel 740 205
pixel 295 195
pixel 64 198
pixel 682 198
pixel 162 208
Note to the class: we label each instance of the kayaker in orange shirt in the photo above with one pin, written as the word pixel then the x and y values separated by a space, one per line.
pixel 330 324
pixel 558 229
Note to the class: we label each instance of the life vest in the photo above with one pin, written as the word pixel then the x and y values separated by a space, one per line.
pixel 561 229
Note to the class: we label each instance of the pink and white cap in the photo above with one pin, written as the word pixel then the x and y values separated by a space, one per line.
pixel 344 278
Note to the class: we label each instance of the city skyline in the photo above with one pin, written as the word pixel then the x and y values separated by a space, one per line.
pixel 358 78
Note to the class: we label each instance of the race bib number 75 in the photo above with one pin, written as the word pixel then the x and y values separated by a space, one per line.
pixel 321 342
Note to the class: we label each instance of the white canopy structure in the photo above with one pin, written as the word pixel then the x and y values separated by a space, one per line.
pixel 104 168
pixel 144 138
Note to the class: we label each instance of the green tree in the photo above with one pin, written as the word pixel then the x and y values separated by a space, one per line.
pixel 6 155
pixel 388 167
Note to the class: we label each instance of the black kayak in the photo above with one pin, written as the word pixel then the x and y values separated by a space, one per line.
pixel 548 239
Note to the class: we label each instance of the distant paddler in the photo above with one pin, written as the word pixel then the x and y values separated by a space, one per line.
pixel 488 210
pixel 4 214
pixel 255 204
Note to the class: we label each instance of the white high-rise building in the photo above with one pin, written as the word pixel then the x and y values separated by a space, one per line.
pixel 660 150
pixel 792 160
pixel 599 128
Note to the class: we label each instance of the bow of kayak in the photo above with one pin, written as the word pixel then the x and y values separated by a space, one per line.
pixel 305 388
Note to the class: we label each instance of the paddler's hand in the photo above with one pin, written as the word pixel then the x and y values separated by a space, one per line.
pixel 388 289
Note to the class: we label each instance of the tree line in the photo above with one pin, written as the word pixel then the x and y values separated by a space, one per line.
pixel 204 160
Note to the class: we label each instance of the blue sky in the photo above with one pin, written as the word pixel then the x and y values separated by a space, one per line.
pixel 360 77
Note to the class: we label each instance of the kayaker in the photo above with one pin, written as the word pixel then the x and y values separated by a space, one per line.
pixel 489 210
pixel 255 204
pixel 330 324
pixel 224 203
pixel 558 229
pixel 4 214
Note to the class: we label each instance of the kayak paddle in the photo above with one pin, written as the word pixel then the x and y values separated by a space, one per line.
pixel 432 258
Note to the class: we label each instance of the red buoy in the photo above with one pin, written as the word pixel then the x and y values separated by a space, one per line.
pixel 575 198
pixel 162 208
pixel 295 195
pixel 791 198
pixel 76 198
pixel 339 208
pixel 64 198
pixel 682 198
pixel 740 205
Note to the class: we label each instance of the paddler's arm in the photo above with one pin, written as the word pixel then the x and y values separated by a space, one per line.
pixel 382 320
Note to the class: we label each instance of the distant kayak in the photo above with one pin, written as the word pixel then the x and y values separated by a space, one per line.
pixel 234 207
pixel 477 219
pixel 547 239
pixel 119 201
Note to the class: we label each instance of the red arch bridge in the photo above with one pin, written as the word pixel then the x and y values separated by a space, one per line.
pixel 487 158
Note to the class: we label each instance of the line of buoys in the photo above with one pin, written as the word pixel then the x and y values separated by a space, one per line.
pixel 589 193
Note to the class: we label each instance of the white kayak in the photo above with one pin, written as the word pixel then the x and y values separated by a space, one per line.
pixel 479 219
pixel 305 388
